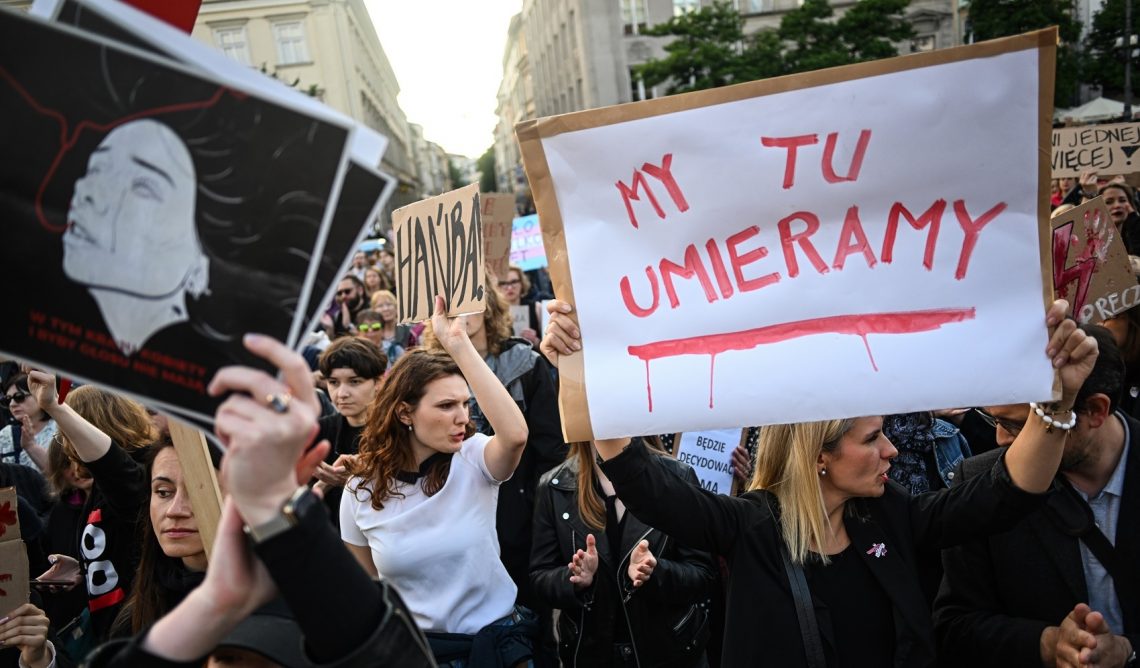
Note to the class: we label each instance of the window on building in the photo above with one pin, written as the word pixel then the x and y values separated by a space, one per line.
pixel 637 88
pixel 922 43
pixel 634 14
pixel 681 7
pixel 761 6
pixel 291 47
pixel 233 42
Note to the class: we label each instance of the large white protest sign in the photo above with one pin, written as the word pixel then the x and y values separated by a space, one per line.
pixel 710 455
pixel 854 241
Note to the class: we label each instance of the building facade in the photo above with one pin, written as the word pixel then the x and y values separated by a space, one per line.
pixel 328 49
pixel 568 55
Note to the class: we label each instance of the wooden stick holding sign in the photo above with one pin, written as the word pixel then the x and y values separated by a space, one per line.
pixel 710 455
pixel 13 555
pixel 439 251
pixel 201 479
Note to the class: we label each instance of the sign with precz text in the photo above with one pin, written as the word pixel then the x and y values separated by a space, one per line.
pixel 710 455
pixel 1090 264
pixel 1106 149
pixel 439 251
pixel 806 247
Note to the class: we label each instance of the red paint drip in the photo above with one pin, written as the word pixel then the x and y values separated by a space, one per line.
pixel 66 143
pixel 648 386
pixel 712 368
pixel 860 324
pixel 867 345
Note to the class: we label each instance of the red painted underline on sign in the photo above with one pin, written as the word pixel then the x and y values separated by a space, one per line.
pixel 859 324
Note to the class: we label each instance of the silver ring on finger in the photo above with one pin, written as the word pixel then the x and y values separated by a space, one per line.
pixel 279 402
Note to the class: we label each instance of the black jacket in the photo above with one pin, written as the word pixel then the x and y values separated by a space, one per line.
pixel 667 617
pixel 365 624
pixel 761 628
pixel 530 380
pixel 999 593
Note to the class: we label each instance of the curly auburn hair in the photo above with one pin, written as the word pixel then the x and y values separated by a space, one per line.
pixel 385 444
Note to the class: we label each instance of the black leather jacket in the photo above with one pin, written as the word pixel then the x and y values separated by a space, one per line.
pixel 667 617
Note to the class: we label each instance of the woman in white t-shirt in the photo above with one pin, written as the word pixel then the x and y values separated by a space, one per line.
pixel 419 509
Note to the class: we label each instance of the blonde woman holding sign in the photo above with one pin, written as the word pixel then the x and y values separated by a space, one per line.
pixel 824 550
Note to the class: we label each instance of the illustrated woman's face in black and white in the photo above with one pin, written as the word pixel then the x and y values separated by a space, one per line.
pixel 131 221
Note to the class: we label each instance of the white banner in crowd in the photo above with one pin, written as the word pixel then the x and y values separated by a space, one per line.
pixel 855 241
pixel 710 455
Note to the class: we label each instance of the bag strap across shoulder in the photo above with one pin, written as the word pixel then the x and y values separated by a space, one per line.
pixel 805 611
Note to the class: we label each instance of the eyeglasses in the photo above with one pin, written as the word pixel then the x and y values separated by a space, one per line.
pixel 370 326
pixel 346 291
pixel 509 284
pixel 17 397
pixel 1012 428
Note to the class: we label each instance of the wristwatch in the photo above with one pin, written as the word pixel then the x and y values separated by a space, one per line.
pixel 292 511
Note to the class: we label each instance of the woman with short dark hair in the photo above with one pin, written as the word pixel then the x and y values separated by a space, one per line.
pixel 26 440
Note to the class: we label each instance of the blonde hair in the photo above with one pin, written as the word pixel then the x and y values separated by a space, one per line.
pixel 382 296
pixel 124 420
pixel 524 280
pixel 496 323
pixel 786 459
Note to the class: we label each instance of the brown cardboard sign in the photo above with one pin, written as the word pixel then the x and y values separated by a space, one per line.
pixel 498 215
pixel 1107 149
pixel 13 555
pixel 1090 264
pixel 439 251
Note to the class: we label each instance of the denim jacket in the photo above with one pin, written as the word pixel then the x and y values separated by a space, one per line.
pixel 918 436
pixel 950 448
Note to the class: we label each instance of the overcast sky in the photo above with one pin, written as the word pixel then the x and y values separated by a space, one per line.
pixel 448 58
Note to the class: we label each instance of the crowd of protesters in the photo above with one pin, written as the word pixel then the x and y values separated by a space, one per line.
pixel 402 496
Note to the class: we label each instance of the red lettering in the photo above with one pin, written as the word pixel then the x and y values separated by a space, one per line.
pixel 718 268
pixel 791 144
pixel 693 266
pixel 665 176
pixel 972 228
pixel 853 240
pixel 788 240
pixel 856 160
pixel 628 193
pixel 738 261
pixel 1082 271
pixel 932 217
pixel 627 295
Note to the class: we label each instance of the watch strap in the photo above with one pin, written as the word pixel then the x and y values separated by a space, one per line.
pixel 286 519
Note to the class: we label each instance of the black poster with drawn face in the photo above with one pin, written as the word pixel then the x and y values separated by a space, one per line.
pixel 359 202
pixel 151 215
pixel 363 193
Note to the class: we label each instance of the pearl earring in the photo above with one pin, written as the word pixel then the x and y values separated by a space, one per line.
pixel 823 472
